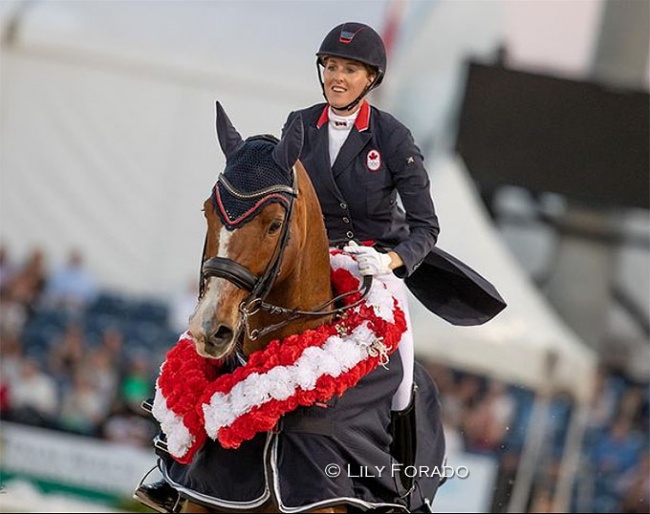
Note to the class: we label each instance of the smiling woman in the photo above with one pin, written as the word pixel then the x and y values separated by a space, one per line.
pixel 345 80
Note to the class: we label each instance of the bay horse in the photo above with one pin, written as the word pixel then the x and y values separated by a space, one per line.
pixel 266 276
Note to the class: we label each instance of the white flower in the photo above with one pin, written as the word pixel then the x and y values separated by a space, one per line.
pixel 283 383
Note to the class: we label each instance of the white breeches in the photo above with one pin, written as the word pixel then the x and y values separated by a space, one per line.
pixel 398 288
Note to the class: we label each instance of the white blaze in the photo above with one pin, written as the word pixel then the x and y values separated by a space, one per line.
pixel 213 289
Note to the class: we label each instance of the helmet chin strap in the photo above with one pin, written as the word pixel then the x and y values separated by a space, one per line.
pixel 354 103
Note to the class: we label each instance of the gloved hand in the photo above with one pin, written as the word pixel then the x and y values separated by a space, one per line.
pixel 370 261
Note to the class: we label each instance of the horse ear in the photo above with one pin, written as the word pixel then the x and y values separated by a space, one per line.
pixel 229 138
pixel 288 150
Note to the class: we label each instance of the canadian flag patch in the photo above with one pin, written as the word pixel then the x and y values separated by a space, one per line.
pixel 373 160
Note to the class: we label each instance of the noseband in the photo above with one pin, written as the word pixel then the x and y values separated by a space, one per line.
pixel 259 287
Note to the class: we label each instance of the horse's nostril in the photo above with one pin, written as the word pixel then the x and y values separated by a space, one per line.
pixel 222 335
pixel 217 334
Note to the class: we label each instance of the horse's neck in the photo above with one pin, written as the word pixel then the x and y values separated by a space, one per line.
pixel 308 286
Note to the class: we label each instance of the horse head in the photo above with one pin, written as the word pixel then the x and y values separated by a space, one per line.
pixel 265 244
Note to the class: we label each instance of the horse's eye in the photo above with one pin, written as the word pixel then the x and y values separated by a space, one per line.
pixel 275 226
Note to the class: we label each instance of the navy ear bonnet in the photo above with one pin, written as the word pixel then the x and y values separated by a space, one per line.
pixel 249 182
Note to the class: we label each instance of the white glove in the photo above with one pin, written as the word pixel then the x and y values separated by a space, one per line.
pixel 370 261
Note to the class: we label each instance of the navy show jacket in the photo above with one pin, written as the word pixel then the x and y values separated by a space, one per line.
pixel 358 197
pixel 358 193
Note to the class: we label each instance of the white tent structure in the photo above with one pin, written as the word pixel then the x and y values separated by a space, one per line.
pixel 526 344
pixel 521 342
pixel 107 144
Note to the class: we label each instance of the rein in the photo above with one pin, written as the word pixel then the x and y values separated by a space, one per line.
pixel 260 287
pixel 294 314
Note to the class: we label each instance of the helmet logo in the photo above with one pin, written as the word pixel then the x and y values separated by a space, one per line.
pixel 373 160
pixel 346 37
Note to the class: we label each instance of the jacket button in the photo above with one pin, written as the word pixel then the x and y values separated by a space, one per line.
pixel 343 205
pixel 346 220
pixel 349 234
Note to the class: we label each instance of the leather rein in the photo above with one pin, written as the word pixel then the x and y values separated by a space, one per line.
pixel 259 287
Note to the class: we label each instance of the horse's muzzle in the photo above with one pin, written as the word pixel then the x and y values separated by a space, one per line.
pixel 215 343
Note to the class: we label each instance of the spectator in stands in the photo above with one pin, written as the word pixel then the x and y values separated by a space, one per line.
pixel 33 396
pixel 603 401
pixel 105 376
pixel 27 284
pixel 5 404
pixel 11 358
pixel 542 500
pixel 13 314
pixel 7 268
pixel 72 286
pixel 634 487
pixel 557 423
pixel 450 408
pixel 461 397
pixel 67 353
pixel 632 403
pixel 112 343
pixel 617 451
pixel 11 355
pixel 83 408
pixel 138 383
pixel 487 422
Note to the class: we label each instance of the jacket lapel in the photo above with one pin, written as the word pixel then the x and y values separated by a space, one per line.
pixel 320 145
pixel 354 144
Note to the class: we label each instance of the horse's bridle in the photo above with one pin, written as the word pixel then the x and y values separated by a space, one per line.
pixel 259 287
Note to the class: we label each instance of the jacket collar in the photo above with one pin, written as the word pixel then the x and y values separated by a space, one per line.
pixel 361 123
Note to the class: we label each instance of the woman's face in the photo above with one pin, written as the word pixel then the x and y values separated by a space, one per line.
pixel 344 81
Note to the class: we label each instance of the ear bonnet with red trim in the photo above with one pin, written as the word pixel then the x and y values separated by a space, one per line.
pixel 253 166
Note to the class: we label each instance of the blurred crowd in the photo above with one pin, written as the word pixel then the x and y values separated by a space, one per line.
pixel 487 417
pixel 81 359
pixel 73 356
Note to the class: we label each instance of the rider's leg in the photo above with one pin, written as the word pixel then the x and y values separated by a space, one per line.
pixel 402 397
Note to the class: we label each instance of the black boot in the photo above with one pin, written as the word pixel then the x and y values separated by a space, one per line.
pixel 159 496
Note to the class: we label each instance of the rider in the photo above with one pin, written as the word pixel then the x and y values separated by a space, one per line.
pixel 359 159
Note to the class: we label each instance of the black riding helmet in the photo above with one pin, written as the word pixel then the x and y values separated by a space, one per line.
pixel 357 42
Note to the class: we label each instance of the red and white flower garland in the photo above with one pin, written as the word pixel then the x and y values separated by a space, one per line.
pixel 194 401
